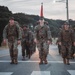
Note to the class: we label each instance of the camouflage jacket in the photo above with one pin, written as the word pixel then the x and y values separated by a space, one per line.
pixel 42 33
pixel 66 36
pixel 12 31
pixel 27 35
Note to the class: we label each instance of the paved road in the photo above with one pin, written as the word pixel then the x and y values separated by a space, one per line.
pixel 55 65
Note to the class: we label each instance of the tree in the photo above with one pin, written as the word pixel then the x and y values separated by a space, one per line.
pixel 4 16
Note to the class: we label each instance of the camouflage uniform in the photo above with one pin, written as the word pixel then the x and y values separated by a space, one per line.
pixel 13 34
pixel 32 45
pixel 26 41
pixel 66 37
pixel 73 47
pixel 42 34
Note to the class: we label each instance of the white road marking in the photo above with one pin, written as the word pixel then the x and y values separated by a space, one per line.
pixel 6 73
pixel 4 55
pixel 35 61
pixel 41 73
pixel 72 72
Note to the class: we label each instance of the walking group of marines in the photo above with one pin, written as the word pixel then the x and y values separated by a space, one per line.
pixel 28 40
pixel 66 43
pixel 41 37
pixel 17 35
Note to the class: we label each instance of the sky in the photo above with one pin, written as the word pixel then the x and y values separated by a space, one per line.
pixel 51 8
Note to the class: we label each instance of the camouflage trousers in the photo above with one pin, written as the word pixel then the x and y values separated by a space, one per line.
pixel 66 51
pixel 13 49
pixel 32 47
pixel 25 48
pixel 43 48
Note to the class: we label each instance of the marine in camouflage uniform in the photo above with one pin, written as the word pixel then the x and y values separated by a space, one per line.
pixel 42 37
pixel 73 47
pixel 66 40
pixel 26 41
pixel 13 34
pixel 32 44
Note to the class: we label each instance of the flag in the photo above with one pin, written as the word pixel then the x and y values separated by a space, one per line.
pixel 41 11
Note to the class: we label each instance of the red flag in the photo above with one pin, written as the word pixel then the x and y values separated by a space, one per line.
pixel 41 13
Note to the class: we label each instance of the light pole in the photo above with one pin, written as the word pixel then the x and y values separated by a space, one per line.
pixel 67 9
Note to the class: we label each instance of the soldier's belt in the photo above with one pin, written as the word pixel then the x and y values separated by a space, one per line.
pixel 12 35
pixel 42 37
pixel 66 43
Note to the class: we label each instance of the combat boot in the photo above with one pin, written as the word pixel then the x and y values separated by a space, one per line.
pixel 67 62
pixel 23 58
pixel 46 62
pixel 15 61
pixel 41 61
pixel 12 61
pixel 64 60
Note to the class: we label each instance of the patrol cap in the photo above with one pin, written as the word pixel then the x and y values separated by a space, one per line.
pixel 25 26
pixel 11 18
pixel 66 23
pixel 41 18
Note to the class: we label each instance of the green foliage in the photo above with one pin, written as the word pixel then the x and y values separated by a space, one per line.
pixel 25 18
pixel 4 16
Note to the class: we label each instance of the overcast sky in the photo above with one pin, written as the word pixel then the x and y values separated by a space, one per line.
pixel 52 9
